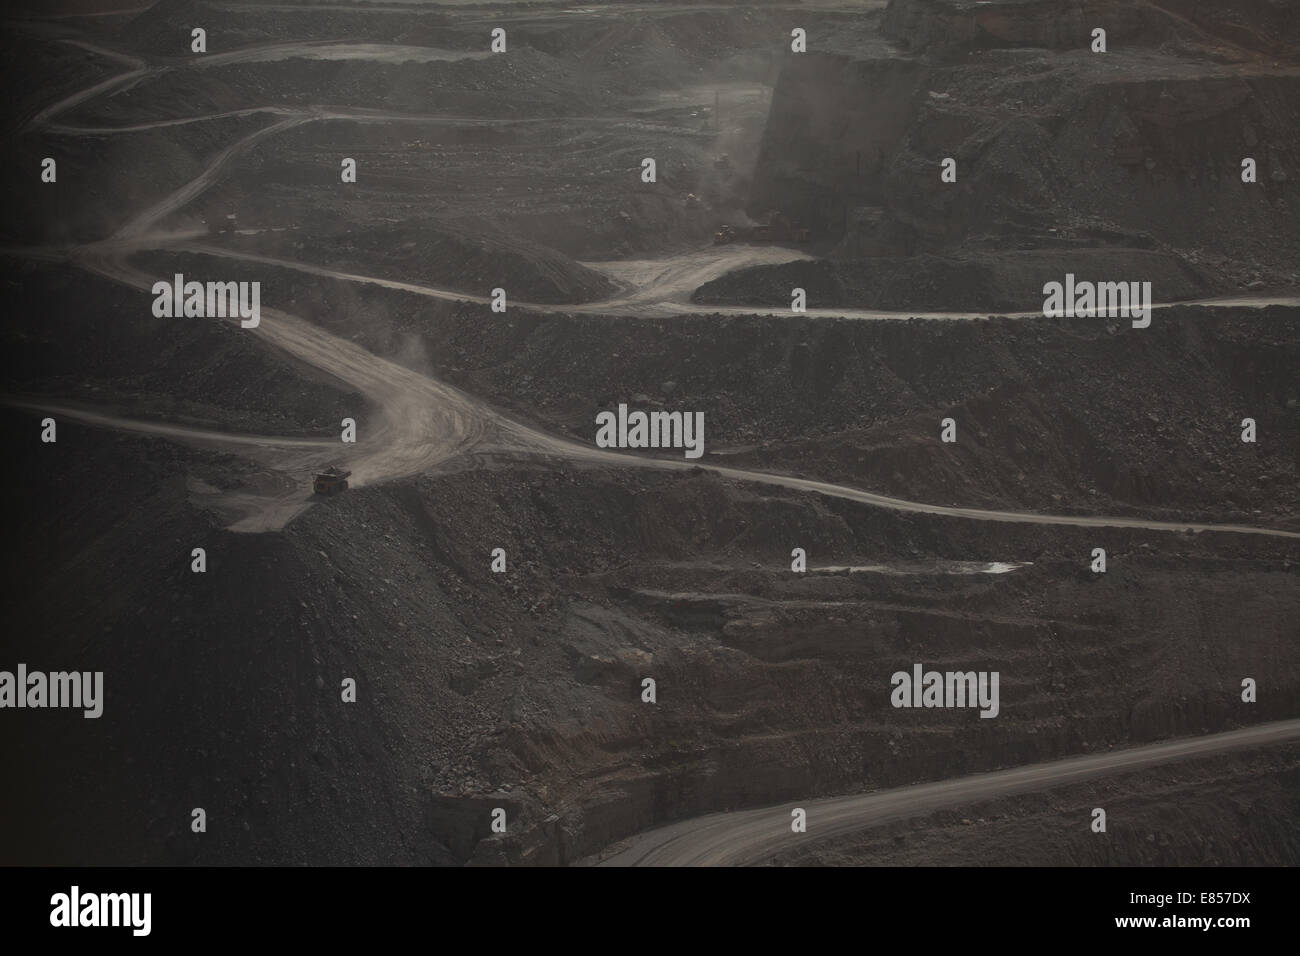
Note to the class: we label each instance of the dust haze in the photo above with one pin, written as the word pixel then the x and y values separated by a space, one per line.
pixel 907 463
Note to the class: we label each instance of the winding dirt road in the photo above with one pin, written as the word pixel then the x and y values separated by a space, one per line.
pixel 662 287
pixel 138 70
pixel 337 50
pixel 422 423
pixel 186 433
pixel 754 836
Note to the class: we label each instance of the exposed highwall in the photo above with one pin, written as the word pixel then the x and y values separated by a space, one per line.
pixel 835 122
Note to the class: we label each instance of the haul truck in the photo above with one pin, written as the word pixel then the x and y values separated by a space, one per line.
pixel 777 228
pixel 331 481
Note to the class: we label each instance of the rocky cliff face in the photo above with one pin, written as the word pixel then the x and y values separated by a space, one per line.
pixel 836 122
pixel 1146 148
pixel 1054 146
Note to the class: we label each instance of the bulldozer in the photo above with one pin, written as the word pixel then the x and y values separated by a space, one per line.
pixel 331 481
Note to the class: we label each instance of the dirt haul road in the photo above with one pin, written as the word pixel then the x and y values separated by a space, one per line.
pixel 139 69
pixel 419 424
pixel 393 53
pixel 753 836
pixel 422 423
pixel 658 288
pixel 184 433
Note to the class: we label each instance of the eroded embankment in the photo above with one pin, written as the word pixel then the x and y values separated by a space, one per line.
pixel 523 689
